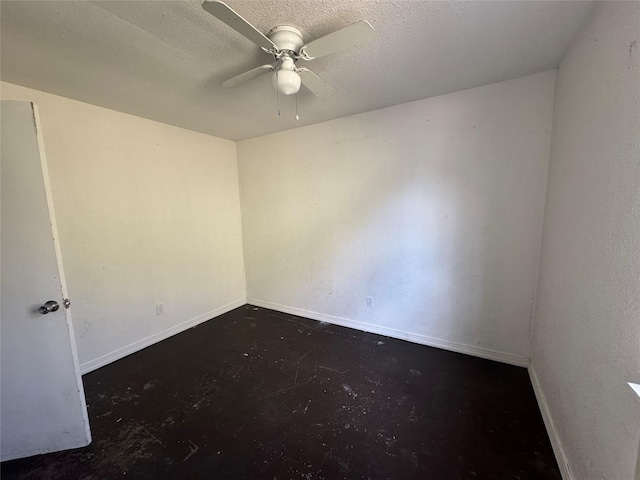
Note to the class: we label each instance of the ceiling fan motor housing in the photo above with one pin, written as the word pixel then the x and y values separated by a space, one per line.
pixel 286 38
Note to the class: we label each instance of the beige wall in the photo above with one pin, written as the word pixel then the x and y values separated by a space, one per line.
pixel 587 323
pixel 433 208
pixel 147 214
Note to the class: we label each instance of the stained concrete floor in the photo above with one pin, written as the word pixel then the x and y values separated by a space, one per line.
pixel 257 394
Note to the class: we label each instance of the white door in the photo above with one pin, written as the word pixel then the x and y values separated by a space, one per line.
pixel 42 404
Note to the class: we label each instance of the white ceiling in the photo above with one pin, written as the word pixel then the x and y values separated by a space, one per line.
pixel 166 60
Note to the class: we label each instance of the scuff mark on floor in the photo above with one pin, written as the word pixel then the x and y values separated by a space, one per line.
pixel 193 449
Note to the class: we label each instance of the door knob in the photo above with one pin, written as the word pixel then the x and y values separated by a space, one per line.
pixel 50 306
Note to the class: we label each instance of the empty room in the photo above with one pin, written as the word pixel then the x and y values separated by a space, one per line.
pixel 279 239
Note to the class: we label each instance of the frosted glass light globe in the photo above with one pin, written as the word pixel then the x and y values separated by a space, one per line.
pixel 287 82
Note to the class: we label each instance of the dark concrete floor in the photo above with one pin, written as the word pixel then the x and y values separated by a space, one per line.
pixel 257 394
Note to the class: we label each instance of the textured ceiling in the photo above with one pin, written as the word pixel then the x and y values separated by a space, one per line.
pixel 166 60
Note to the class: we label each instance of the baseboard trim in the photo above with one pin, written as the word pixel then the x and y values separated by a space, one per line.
pixel 558 450
pixel 503 357
pixel 103 360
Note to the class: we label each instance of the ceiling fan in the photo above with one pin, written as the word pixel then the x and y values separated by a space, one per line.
pixel 286 45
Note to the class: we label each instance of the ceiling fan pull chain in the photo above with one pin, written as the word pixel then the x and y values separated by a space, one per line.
pixel 297 117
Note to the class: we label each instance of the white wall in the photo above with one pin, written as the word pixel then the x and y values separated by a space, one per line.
pixel 147 213
pixel 587 325
pixel 434 208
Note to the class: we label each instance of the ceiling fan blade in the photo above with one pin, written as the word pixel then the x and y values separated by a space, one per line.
pixel 226 14
pixel 347 37
pixel 314 83
pixel 246 76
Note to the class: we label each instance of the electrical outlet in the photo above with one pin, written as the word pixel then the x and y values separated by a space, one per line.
pixel 160 309
pixel 369 301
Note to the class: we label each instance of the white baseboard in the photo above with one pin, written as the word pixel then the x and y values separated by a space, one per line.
pixel 503 357
pixel 561 457
pixel 155 338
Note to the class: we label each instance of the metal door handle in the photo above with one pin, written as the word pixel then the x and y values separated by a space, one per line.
pixel 50 306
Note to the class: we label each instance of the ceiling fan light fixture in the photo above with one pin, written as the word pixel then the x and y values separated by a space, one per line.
pixel 286 82
pixel 286 79
pixel 286 45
